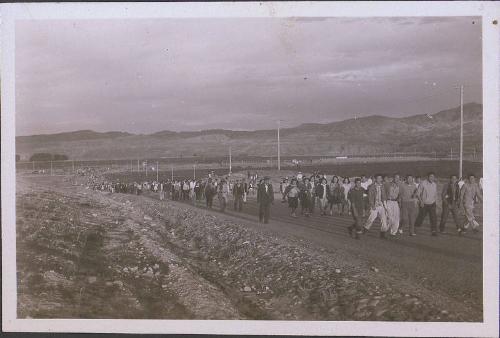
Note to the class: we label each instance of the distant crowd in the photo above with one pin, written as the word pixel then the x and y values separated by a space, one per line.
pixel 398 202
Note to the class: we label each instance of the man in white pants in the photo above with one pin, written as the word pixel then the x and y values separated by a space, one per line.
pixel 192 194
pixel 468 194
pixel 392 204
pixel 377 199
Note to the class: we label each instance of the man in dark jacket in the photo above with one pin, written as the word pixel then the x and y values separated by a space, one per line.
pixel 322 192
pixel 238 192
pixel 209 193
pixel 356 197
pixel 450 199
pixel 265 197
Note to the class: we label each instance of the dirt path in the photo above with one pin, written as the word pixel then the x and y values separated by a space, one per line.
pixel 169 260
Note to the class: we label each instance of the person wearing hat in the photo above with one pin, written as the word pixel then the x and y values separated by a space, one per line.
pixel 265 197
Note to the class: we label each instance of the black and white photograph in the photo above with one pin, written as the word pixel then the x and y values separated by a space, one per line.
pixel 274 167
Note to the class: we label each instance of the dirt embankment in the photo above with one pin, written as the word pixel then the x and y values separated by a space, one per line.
pixel 84 254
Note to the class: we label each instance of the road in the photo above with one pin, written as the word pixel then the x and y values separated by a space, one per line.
pixel 447 265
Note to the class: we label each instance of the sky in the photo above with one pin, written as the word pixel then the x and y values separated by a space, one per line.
pixel 148 75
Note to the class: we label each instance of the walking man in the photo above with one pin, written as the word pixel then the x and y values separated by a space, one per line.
pixel 223 194
pixel 322 192
pixel 209 193
pixel 162 191
pixel 377 199
pixel 245 190
pixel 304 197
pixel 355 196
pixel 265 197
pixel 192 193
pixel 468 194
pixel 392 205
pixel 409 201
pixel 312 195
pixel 365 184
pixel 450 202
pixel 292 192
pixel 238 193
pixel 427 196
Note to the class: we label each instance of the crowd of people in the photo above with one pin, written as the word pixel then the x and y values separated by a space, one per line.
pixel 186 190
pixel 398 202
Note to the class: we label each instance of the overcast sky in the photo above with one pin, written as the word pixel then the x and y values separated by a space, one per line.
pixel 144 76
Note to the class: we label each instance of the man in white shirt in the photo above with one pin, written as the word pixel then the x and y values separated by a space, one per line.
pixel 417 181
pixel 192 195
pixel 461 182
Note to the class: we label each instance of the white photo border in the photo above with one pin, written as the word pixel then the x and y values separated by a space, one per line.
pixel 488 11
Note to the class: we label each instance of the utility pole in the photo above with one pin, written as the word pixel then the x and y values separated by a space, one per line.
pixel 229 159
pixel 146 168
pixel 157 171
pixel 172 173
pixel 50 168
pixel 33 165
pixel 461 130
pixel 73 165
pixel 194 171
pixel 137 165
pixel 279 160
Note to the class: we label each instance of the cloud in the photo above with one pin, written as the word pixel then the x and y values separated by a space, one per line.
pixel 143 75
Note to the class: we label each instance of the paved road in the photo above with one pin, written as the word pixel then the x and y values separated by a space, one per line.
pixel 449 265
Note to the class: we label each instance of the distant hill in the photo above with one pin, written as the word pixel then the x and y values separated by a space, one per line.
pixel 372 134
pixel 71 136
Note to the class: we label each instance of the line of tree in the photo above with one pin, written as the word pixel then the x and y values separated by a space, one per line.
pixel 43 157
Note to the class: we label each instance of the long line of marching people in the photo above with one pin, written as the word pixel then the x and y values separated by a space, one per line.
pixel 400 203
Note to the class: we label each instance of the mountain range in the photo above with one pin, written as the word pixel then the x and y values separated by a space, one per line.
pixel 357 136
